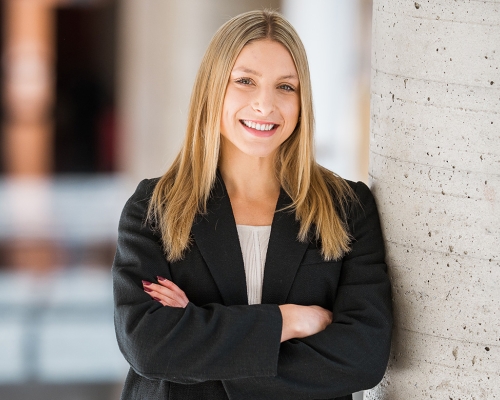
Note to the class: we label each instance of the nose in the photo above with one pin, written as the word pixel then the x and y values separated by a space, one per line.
pixel 263 102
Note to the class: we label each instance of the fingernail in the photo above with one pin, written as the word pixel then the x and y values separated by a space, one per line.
pixel 157 299
pixel 146 283
pixel 146 289
pixel 160 278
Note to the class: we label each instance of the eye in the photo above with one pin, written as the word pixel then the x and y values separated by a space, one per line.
pixel 286 88
pixel 244 81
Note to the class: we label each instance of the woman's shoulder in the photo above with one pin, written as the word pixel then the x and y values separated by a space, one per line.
pixel 356 197
pixel 362 208
pixel 144 190
pixel 138 202
pixel 360 190
pixel 146 186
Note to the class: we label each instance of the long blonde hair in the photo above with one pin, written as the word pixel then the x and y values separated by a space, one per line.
pixel 183 191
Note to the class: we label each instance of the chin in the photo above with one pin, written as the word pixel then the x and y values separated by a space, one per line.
pixel 258 151
pixel 259 154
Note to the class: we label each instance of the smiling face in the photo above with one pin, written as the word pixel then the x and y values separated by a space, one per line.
pixel 262 101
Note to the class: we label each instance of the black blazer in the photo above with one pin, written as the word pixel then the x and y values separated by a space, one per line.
pixel 220 347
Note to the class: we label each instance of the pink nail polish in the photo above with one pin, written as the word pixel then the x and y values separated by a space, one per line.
pixel 146 283
pixel 157 299
pixel 160 278
pixel 146 289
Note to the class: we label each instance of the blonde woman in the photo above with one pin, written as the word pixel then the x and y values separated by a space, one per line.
pixel 248 271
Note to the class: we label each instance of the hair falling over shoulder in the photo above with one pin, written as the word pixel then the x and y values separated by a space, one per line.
pixel 319 197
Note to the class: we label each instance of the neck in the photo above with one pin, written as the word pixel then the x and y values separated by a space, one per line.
pixel 249 177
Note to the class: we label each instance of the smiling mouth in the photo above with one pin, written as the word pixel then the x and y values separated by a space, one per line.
pixel 257 126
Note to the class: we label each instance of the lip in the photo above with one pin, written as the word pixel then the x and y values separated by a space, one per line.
pixel 257 133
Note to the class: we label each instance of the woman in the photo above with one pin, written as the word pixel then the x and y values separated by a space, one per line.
pixel 248 271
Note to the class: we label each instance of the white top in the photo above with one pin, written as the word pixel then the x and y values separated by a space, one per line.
pixel 253 242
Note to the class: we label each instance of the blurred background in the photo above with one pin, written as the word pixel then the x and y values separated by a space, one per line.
pixel 94 99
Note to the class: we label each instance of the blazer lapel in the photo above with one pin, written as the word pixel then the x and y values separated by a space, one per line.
pixel 217 238
pixel 284 254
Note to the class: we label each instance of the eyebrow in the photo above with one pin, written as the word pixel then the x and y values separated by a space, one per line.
pixel 253 72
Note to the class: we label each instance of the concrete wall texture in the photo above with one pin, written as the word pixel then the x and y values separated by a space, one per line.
pixel 435 172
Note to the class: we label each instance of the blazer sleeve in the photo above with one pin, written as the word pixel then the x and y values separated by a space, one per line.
pixel 352 353
pixel 187 345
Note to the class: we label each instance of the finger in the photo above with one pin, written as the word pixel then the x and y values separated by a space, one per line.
pixel 166 295
pixel 181 299
pixel 171 285
pixel 160 301
pixel 167 291
pixel 165 300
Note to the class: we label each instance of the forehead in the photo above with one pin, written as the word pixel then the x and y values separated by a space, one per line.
pixel 263 56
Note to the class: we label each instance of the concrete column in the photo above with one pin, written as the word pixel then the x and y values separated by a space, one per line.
pixel 161 46
pixel 435 171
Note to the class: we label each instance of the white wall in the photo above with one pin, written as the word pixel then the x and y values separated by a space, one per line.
pixel 329 32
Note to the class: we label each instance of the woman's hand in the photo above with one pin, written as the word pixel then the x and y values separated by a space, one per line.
pixel 166 292
pixel 303 321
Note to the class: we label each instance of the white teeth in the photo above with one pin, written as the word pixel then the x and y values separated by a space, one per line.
pixel 259 127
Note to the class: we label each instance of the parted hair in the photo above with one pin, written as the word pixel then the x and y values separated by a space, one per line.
pixel 319 197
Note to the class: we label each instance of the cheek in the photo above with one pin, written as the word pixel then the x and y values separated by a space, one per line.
pixel 226 117
pixel 234 100
pixel 292 111
pixel 297 108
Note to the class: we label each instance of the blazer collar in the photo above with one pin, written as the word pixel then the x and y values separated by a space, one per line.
pixel 216 236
